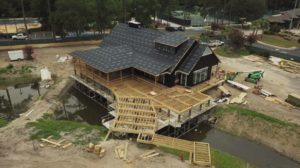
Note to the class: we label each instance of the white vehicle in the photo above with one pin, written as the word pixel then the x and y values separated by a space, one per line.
pixel 215 43
pixel 19 36
pixel 16 55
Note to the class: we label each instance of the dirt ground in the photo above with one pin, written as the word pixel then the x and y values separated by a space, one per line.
pixel 275 80
pixel 16 150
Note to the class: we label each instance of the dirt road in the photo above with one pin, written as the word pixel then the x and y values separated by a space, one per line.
pixel 275 80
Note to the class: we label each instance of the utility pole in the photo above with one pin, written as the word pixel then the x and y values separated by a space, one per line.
pixel 24 17
pixel 293 14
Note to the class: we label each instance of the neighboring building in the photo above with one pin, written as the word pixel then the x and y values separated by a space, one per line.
pixel 163 57
pixel 284 19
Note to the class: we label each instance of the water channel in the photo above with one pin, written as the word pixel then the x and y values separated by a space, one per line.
pixel 15 99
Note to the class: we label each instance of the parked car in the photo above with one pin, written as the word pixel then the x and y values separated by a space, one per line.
pixel 181 28
pixel 215 43
pixel 19 36
pixel 171 29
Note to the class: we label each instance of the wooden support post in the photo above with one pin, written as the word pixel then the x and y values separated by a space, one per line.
pixel 169 113
pixel 107 135
pixel 179 116
pixel 208 103
pixel 107 77
pixel 121 75
pixel 200 107
pixel 190 113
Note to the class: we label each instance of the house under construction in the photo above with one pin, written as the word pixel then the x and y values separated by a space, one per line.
pixel 154 82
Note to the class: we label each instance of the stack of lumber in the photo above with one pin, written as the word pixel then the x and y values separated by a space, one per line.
pixel 239 99
pixel 293 99
pixel 56 144
pixel 290 66
pixel 224 91
pixel 238 85
pixel 97 149
pixel 121 151
pixel 149 154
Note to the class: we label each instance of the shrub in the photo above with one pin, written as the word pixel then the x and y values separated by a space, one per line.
pixel 275 29
pixel 251 39
pixel 299 40
pixel 28 50
pixel 214 26
pixel 237 38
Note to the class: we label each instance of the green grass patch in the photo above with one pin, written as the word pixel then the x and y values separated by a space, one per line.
pixel 230 52
pixel 176 152
pixel 13 80
pixel 279 41
pixel 224 160
pixel 3 122
pixel 46 126
pixel 251 113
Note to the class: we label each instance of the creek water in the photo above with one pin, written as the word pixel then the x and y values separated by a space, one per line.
pixel 14 99
pixel 79 107
pixel 256 154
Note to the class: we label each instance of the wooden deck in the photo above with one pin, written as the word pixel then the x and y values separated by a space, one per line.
pixel 177 99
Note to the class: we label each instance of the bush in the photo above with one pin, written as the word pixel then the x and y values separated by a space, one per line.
pixel 251 39
pixel 299 40
pixel 237 38
pixel 214 26
pixel 275 29
pixel 28 50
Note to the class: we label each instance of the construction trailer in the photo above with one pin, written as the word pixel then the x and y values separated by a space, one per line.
pixel 151 80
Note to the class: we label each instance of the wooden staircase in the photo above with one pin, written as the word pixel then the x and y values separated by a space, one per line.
pixel 199 151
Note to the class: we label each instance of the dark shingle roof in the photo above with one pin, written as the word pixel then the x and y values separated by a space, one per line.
pixel 198 52
pixel 128 47
pixel 174 39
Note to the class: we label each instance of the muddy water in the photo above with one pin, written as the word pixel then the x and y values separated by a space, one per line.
pixel 14 99
pixel 78 107
pixel 256 154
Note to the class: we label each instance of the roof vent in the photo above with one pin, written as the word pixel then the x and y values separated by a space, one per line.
pixel 133 23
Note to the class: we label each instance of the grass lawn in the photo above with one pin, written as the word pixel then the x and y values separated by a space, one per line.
pixel 46 126
pixel 3 122
pixel 176 152
pixel 230 52
pixel 279 41
pixel 251 113
pixel 11 75
pixel 224 160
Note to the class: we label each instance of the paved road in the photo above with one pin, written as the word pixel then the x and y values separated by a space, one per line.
pixel 281 53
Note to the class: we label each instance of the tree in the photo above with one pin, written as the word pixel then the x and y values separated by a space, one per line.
pixel 237 38
pixel 251 39
pixel 28 50
pixel 71 16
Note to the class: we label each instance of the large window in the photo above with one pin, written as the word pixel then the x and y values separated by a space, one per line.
pixel 200 75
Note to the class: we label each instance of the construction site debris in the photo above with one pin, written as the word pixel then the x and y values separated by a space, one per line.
pixel 286 65
pixel 45 74
pixel 54 143
pixel 224 91
pixel 96 149
pixel 149 154
pixel 293 99
pixel 254 58
pixel 239 99
pixel 238 85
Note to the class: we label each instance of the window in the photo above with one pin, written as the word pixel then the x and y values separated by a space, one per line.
pixel 200 75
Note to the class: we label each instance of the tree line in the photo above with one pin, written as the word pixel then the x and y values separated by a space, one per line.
pixel 79 15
